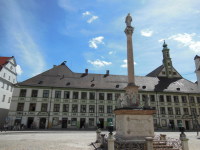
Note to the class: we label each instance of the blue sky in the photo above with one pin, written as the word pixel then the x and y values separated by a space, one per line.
pixel 89 34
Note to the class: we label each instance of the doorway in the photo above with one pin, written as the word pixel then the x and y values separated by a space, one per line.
pixel 82 123
pixel 187 125
pixel 18 121
pixel 172 123
pixel 101 122
pixel 64 122
pixel 30 121
pixel 42 123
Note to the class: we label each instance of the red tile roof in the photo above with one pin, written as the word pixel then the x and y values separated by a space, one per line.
pixel 3 60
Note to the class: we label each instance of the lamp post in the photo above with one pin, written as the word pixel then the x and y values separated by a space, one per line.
pixel 181 129
pixel 110 127
pixel 98 125
pixel 195 117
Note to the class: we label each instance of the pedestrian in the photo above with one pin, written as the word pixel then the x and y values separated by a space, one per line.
pixel 4 128
pixel 15 126
pixel 170 125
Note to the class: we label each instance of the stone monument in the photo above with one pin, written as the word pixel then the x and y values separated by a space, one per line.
pixel 133 122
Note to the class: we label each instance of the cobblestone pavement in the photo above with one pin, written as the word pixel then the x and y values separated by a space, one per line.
pixel 66 140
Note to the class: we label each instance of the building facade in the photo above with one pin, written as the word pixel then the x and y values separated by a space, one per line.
pixel 60 98
pixel 8 77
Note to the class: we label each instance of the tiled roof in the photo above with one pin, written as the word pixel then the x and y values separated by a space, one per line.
pixel 61 75
pixel 3 60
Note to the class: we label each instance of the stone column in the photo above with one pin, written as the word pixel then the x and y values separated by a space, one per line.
pixel 163 137
pixel 102 140
pixel 184 142
pixel 149 143
pixel 97 135
pixel 111 141
pixel 130 60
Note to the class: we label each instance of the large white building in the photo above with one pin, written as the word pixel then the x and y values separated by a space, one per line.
pixel 60 98
pixel 8 77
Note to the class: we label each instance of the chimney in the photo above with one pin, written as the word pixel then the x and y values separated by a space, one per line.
pixel 107 72
pixel 54 66
pixel 86 71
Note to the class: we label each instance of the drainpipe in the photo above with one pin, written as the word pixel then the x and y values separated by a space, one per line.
pixel 191 111
pixel 96 107
pixel 50 107
pixel 157 107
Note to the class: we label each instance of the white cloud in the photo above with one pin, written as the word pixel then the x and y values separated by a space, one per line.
pixel 99 63
pixel 146 33
pixel 86 13
pixel 95 41
pixel 110 52
pixel 93 18
pixel 19 70
pixel 102 57
pixel 197 11
pixel 186 40
pixel 67 5
pixel 161 40
pixel 125 65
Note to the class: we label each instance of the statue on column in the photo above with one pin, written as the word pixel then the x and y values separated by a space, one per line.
pixel 128 20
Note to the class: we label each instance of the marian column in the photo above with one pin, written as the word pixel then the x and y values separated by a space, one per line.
pixel 131 89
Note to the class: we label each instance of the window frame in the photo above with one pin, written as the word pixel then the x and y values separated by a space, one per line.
pixel 117 95
pixel 161 111
pixel 66 109
pixel 56 109
pixel 83 109
pixel 161 98
pixel 42 107
pixel 74 95
pixel 168 109
pixel 152 97
pixel 91 109
pixel 73 120
pixel 92 96
pixel 109 109
pixel 44 94
pixel 83 96
pixel 186 111
pixel 20 94
pixel 57 94
pixel 32 108
pixel 101 108
pixel 20 107
pixel 66 94
pixel 169 98
pixel 109 98
pixel 91 119
pixel 176 100
pixel 177 111
pixel 192 99
pixel 32 94
pixel 184 99
pixel 101 96
pixel 73 110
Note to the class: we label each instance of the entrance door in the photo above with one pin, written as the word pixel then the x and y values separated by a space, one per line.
pixel 172 123
pixel 18 121
pixel 187 125
pixel 42 123
pixel 64 123
pixel 30 121
pixel 82 122
pixel 101 122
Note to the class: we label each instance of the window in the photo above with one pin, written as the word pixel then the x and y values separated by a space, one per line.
pixel 34 93
pixel 55 121
pixel 11 89
pixel 194 112
pixel 183 99
pixel 9 100
pixel 56 107
pixel 92 96
pixel 84 95
pixel 23 93
pixel 116 96
pixel 20 107
pixel 162 110
pixel 66 94
pixel 161 98
pixel 185 111
pixel 163 72
pixel 169 72
pixel 7 87
pixel 75 95
pixel 11 67
pixel 44 108
pixel 45 94
pixel 58 94
pixel 91 121
pixel 4 75
pixel 101 96
pixel 176 99
pixel 91 109
pixel 9 78
pixel 168 64
pixel 65 108
pixel 32 107
pixel 198 99
pixel 167 54
pixel 152 98
pixel 170 110
pixel 177 110
pixel 192 100
pixel 101 109
pixel 4 96
pixel 83 108
pixel 74 121
pixel 109 96
pixel 109 109
pixel 174 73
pixel 3 85
pixel 74 108
pixel 169 98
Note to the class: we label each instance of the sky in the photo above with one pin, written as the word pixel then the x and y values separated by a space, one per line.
pixel 89 34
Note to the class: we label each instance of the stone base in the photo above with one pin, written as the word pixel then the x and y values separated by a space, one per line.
pixel 134 124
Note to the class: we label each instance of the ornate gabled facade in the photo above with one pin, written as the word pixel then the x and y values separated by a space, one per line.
pixel 60 98
pixel 8 77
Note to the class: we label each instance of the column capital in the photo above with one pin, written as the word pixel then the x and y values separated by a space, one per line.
pixel 129 30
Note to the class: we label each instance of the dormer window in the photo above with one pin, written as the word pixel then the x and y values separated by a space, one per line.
pixel 163 72
pixel 174 73
pixel 11 68
pixel 168 64
pixel 40 82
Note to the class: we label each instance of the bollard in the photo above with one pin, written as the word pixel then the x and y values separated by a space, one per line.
pixel 97 135
pixel 149 143
pixel 184 142
pixel 163 137
pixel 111 141
pixel 102 140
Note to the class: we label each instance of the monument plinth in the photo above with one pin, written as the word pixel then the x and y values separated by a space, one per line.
pixel 133 122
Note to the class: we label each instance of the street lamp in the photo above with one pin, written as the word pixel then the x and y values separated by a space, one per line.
pixel 110 127
pixel 181 129
pixel 98 125
pixel 195 117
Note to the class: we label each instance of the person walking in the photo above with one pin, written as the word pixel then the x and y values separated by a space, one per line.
pixel 4 128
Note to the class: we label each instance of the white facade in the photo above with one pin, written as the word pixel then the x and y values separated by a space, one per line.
pixel 197 70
